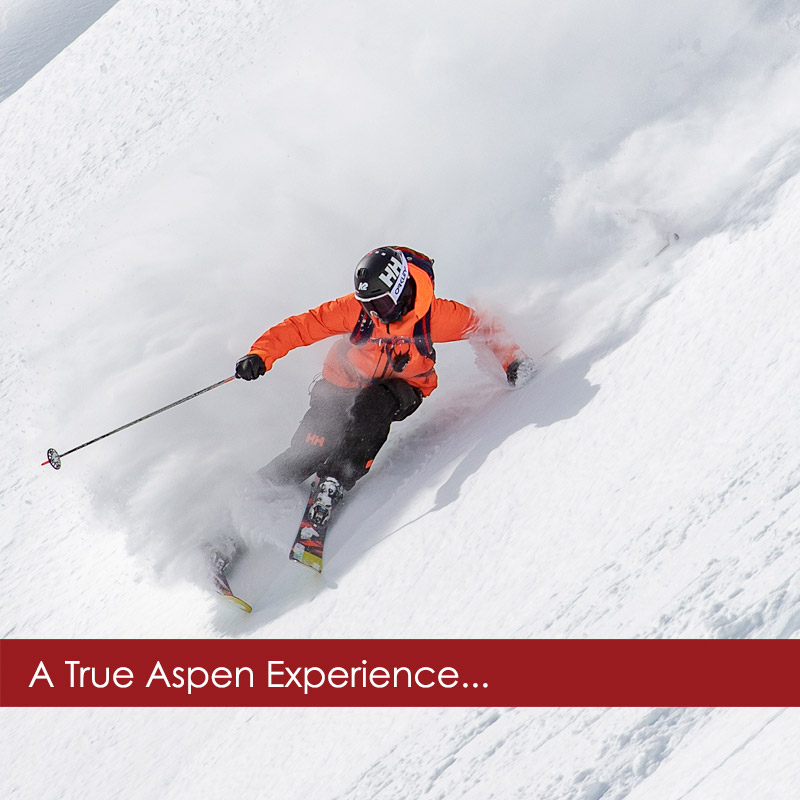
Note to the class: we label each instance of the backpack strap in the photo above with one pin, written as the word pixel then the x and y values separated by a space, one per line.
pixel 421 335
pixel 423 339
pixel 363 329
pixel 418 260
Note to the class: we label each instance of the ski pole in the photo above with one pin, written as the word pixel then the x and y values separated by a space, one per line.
pixel 54 458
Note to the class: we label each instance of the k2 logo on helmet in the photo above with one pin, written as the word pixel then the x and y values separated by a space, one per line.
pixel 363 286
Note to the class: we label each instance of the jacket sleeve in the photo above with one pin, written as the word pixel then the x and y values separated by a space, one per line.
pixel 330 319
pixel 452 322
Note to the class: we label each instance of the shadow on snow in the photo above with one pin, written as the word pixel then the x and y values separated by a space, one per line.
pixel 465 434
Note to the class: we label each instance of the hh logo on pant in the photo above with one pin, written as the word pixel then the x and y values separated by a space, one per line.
pixel 313 438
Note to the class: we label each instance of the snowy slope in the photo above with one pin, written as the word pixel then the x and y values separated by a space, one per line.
pixel 33 32
pixel 183 175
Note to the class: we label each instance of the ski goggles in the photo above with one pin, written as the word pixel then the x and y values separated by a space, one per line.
pixel 381 307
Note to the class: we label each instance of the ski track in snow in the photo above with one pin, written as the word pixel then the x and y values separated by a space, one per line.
pixel 182 175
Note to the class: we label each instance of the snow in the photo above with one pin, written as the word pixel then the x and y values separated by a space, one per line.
pixel 180 176
pixel 33 32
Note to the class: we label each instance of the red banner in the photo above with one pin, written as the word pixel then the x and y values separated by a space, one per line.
pixel 399 672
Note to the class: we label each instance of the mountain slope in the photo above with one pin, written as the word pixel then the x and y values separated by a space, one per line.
pixel 183 177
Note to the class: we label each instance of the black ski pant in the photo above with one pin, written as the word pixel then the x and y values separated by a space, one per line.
pixel 342 431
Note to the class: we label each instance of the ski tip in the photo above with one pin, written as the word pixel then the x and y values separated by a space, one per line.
pixel 246 607
pixel 223 589
pixel 300 555
pixel 238 602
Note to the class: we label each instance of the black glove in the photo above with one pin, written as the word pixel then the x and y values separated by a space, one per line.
pixel 407 397
pixel 250 367
pixel 521 371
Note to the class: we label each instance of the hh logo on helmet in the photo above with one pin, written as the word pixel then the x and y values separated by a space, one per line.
pixel 393 270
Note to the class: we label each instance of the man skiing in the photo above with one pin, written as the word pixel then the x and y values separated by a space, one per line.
pixel 377 374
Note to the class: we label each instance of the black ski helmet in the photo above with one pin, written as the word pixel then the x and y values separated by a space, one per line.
pixel 382 283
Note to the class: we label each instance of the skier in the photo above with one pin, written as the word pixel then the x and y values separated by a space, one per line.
pixel 378 374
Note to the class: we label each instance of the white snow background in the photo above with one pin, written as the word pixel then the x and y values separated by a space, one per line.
pixel 182 175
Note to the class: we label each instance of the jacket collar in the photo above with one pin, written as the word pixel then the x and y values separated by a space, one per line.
pixel 422 303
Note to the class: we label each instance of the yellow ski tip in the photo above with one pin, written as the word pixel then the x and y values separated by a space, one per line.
pixel 302 556
pixel 241 603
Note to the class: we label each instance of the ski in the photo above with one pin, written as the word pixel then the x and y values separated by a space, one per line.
pixel 326 493
pixel 219 557
pixel 223 588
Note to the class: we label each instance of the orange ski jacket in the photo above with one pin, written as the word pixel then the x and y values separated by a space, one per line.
pixel 389 351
